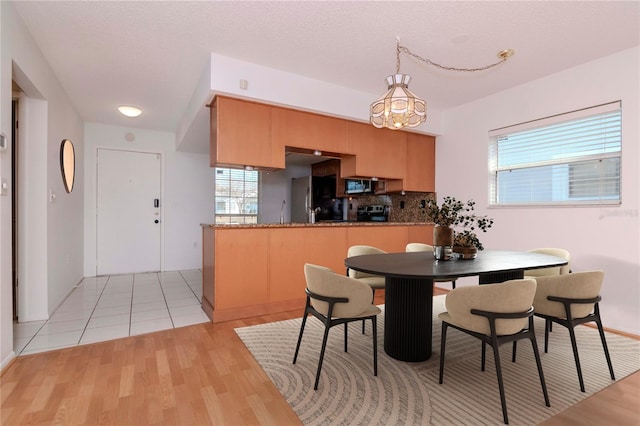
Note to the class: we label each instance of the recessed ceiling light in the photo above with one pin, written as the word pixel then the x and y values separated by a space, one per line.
pixel 129 111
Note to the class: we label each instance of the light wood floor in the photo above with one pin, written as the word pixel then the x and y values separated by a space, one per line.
pixel 200 374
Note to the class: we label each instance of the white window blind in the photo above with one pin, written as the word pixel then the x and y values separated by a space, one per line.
pixel 236 197
pixel 566 159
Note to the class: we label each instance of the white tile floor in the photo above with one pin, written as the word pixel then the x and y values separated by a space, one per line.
pixel 111 307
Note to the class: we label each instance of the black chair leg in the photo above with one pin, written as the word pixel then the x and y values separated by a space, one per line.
pixel 513 355
pixel 304 321
pixel 496 355
pixel 374 326
pixel 373 297
pixel 543 384
pixel 453 284
pixel 484 355
pixel 547 329
pixel 443 341
pixel 346 332
pixel 574 345
pixel 324 346
pixel 604 346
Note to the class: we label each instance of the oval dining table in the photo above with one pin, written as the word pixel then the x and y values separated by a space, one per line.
pixel 408 295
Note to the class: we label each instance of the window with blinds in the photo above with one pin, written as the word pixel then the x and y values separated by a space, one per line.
pixel 236 198
pixel 567 159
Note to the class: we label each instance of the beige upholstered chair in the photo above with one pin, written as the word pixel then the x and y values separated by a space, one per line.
pixel 373 281
pixel 335 299
pixel 495 314
pixel 413 247
pixel 557 270
pixel 569 300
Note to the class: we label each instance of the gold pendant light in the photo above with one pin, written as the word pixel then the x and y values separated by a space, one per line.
pixel 398 107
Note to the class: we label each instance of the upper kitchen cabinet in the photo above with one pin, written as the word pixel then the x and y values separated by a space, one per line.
pixel 421 163
pixel 378 153
pixel 241 135
pixel 299 129
pixel 330 168
pixel 420 166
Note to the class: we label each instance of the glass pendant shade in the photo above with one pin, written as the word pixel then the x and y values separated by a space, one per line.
pixel 398 107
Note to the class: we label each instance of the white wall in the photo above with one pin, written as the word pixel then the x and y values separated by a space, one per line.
pixel 223 75
pixel 606 238
pixel 187 188
pixel 54 247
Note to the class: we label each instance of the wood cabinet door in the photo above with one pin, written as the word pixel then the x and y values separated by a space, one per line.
pixel 380 153
pixel 241 267
pixel 420 234
pixel 243 135
pixel 421 154
pixel 388 238
pixel 306 130
pixel 208 270
pixel 291 248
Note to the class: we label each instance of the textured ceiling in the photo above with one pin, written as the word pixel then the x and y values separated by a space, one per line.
pixel 151 54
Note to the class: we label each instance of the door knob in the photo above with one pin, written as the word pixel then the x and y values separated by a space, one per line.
pixel 156 221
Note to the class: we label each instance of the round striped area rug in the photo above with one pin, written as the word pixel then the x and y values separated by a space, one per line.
pixel 409 393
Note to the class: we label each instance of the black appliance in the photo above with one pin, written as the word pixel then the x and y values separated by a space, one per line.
pixel 373 213
pixel 325 204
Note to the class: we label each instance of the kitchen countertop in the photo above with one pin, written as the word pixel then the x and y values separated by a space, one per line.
pixel 310 225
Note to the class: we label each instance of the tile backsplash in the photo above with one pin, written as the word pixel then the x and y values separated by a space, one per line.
pixel 404 208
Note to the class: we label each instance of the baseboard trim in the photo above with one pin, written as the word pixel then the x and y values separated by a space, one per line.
pixel 6 363
pixel 222 315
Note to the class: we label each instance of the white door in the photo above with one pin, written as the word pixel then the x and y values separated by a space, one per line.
pixel 128 212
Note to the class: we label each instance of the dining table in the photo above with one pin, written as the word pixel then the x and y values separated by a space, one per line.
pixel 408 295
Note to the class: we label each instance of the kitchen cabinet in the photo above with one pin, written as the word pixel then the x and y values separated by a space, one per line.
pixel 241 265
pixel 290 249
pixel 387 238
pixel 420 166
pixel 421 163
pixel 241 135
pixel 208 270
pixel 330 168
pixel 259 269
pixel 380 153
pixel 299 129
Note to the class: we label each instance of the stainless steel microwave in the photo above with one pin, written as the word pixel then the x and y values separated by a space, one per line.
pixel 357 186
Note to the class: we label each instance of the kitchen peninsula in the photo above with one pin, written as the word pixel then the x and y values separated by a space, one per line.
pixel 257 269
pixel 253 270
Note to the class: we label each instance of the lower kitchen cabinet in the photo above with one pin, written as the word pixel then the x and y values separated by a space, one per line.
pixel 290 249
pixel 241 265
pixel 256 270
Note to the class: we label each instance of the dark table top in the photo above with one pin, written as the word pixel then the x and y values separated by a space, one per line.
pixel 423 265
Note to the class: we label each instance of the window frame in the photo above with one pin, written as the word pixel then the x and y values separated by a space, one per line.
pixel 240 218
pixel 607 151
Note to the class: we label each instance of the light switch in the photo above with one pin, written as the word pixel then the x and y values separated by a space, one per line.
pixel 4 186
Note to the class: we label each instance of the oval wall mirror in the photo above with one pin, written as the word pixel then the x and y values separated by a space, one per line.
pixel 67 164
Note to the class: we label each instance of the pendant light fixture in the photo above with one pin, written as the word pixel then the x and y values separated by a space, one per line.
pixel 398 107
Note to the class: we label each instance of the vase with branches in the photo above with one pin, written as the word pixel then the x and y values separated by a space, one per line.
pixel 461 218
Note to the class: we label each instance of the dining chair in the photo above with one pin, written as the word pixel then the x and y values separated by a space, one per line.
pixel 374 281
pixel 414 247
pixel 335 299
pixel 556 270
pixel 569 300
pixel 495 314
